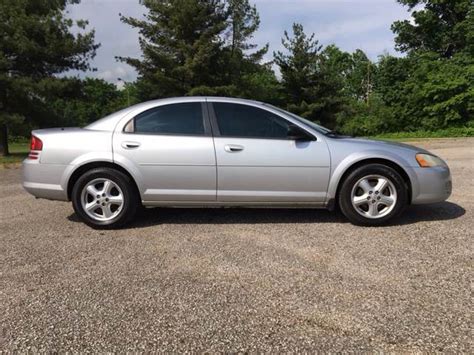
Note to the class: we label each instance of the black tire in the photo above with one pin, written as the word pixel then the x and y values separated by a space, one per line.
pixel 130 204
pixel 349 183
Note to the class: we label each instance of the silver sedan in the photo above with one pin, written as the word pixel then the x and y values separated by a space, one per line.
pixel 223 152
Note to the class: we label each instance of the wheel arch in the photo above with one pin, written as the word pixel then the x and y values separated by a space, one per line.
pixel 93 165
pixel 383 161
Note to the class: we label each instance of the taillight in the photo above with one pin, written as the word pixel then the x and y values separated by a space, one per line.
pixel 35 146
pixel 36 143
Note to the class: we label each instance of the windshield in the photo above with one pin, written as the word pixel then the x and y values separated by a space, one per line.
pixel 302 120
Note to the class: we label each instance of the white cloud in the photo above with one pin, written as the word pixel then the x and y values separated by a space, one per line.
pixel 348 28
pixel 119 71
pixel 350 24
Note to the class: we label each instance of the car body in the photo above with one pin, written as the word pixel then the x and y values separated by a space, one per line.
pixel 223 152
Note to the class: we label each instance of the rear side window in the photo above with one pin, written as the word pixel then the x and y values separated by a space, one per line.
pixel 179 119
pixel 235 120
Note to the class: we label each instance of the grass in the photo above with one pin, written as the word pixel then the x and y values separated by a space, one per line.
pixel 18 152
pixel 443 133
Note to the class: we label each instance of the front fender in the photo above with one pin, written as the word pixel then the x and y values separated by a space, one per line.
pixel 339 168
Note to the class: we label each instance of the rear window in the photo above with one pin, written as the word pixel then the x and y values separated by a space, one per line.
pixel 178 119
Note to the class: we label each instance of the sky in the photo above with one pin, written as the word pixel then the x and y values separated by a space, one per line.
pixel 350 24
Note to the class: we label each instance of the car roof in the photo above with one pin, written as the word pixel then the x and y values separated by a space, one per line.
pixel 109 122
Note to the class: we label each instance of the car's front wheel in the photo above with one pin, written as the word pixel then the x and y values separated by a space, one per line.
pixel 372 195
pixel 104 198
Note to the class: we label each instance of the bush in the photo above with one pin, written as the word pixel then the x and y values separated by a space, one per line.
pixel 442 133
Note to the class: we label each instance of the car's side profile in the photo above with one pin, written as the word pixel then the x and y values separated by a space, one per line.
pixel 223 152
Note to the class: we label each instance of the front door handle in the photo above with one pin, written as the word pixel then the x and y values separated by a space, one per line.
pixel 233 148
pixel 130 145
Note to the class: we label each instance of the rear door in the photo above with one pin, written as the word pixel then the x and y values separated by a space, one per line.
pixel 172 147
pixel 258 162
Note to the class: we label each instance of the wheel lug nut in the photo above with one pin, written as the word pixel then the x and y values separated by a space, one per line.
pixel 103 195
pixel 370 192
pixel 98 196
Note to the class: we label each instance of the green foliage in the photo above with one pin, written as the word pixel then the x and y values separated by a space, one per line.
pixel 18 152
pixel 360 118
pixel 90 100
pixel 355 71
pixel 36 43
pixel 262 86
pixel 204 47
pixel 195 47
pixel 440 26
pixel 441 133
pixel 432 87
pixel 309 87
pixel 180 41
pixel 243 22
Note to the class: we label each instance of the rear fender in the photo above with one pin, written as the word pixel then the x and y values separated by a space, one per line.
pixel 133 170
pixel 81 161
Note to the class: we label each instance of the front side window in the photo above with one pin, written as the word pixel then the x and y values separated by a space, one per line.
pixel 180 119
pixel 235 120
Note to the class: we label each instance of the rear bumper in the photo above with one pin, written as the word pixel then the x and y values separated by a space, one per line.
pixel 434 185
pixel 44 180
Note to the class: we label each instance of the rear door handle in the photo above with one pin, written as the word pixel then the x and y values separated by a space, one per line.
pixel 130 145
pixel 233 148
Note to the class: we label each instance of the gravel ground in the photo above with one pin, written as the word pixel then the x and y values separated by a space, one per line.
pixel 239 280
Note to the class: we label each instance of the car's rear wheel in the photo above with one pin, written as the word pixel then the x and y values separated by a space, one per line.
pixel 373 194
pixel 104 198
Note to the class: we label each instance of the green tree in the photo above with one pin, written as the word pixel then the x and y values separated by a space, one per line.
pixel 36 43
pixel 440 26
pixel 432 87
pixel 360 119
pixel 355 71
pixel 88 100
pixel 244 57
pixel 180 42
pixel 428 92
pixel 310 88
pixel 262 85
pixel 197 47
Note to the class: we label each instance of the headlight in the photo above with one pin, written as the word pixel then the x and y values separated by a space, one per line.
pixel 428 161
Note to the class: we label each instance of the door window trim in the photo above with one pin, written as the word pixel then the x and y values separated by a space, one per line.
pixel 215 126
pixel 205 120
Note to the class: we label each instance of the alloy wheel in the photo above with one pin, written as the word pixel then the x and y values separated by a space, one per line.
pixel 102 199
pixel 374 196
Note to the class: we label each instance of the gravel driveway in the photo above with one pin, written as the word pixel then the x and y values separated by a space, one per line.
pixel 239 280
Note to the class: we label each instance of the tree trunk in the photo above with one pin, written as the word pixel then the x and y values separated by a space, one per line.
pixel 4 140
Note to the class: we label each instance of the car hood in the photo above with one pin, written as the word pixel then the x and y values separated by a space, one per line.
pixel 382 144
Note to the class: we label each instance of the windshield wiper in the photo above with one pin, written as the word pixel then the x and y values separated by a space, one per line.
pixel 336 134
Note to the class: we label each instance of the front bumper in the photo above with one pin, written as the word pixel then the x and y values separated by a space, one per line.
pixel 44 180
pixel 434 185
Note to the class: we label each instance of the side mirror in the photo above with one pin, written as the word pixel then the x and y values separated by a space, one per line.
pixel 298 134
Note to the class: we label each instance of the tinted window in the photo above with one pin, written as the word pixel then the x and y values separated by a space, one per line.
pixel 236 120
pixel 177 119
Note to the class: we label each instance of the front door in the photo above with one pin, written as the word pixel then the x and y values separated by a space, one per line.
pixel 172 148
pixel 258 162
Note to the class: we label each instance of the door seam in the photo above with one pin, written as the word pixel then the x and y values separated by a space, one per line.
pixel 214 145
